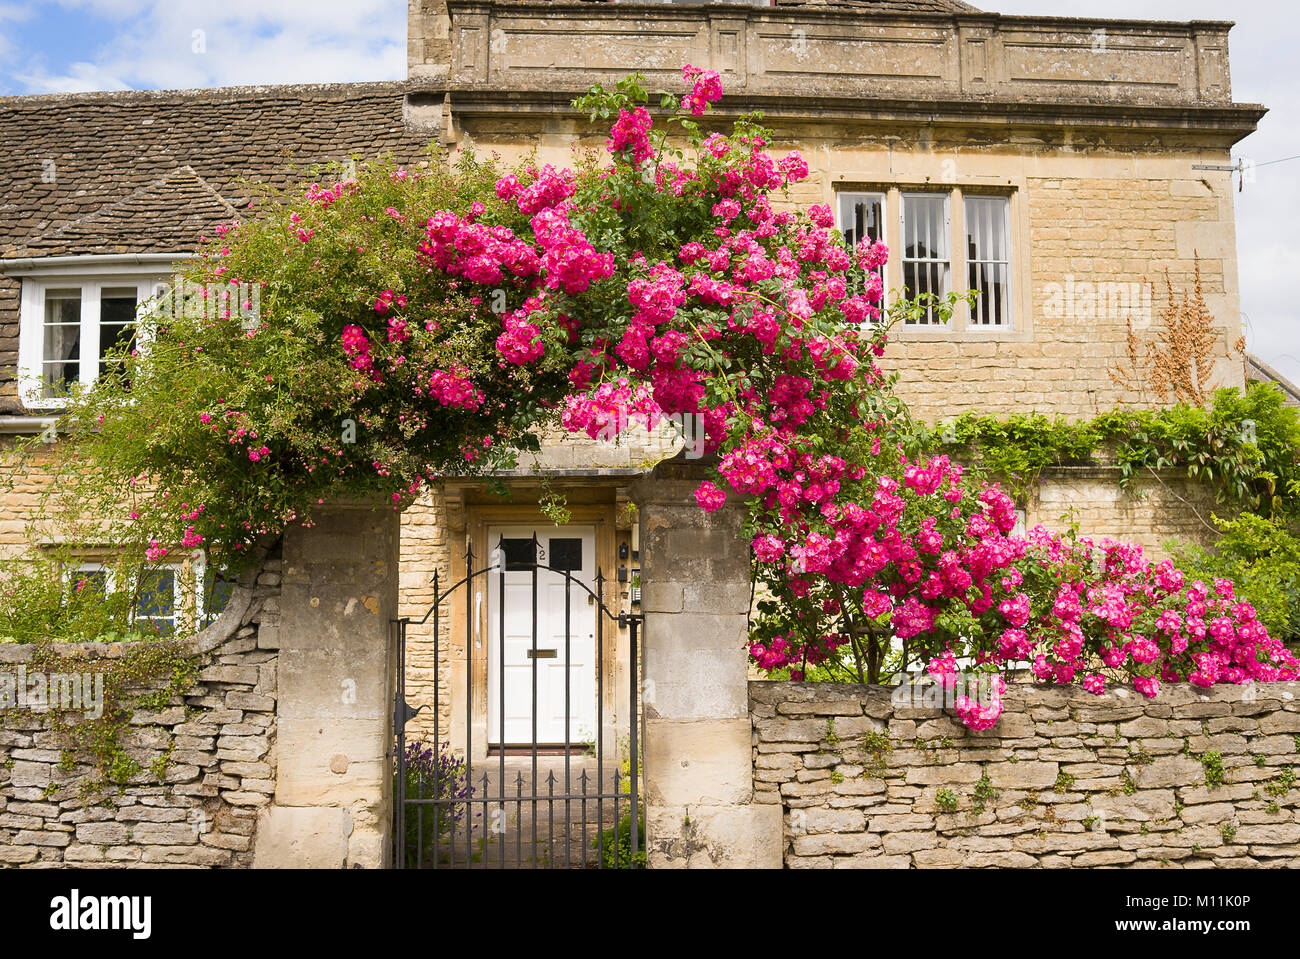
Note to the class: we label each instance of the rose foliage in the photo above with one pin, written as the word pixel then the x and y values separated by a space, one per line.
pixel 416 323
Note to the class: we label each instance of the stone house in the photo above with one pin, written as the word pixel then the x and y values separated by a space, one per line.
pixel 1057 166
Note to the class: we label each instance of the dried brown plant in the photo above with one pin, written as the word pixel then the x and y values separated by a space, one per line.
pixel 1177 363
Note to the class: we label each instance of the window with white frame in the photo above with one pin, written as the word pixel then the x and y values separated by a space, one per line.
pixel 159 600
pixel 926 256
pixel 949 240
pixel 160 592
pixel 95 577
pixel 159 595
pixel 72 329
pixel 988 258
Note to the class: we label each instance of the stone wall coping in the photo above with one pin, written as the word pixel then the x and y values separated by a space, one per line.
pixel 1232 121
pixel 1171 694
pixel 19 653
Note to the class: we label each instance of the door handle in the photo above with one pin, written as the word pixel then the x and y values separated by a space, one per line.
pixel 541 653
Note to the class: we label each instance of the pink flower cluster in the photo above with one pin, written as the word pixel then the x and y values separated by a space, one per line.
pixel 549 189
pixel 980 715
pixel 481 254
pixel 1144 620
pixel 631 133
pixel 521 341
pixel 356 346
pixel 611 408
pixel 705 88
pixel 710 497
pixel 569 262
pixel 453 388
pixel 781 652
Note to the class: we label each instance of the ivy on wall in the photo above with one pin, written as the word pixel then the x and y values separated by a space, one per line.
pixel 148 676
pixel 1244 444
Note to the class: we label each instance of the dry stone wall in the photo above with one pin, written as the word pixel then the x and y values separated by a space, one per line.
pixel 1194 778
pixel 207 758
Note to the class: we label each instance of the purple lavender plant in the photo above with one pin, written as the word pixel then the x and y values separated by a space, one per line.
pixel 438 775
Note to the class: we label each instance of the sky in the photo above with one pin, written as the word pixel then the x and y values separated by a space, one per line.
pixel 77 45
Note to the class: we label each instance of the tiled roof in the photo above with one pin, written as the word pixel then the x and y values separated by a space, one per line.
pixel 166 214
pixel 1258 370
pixel 152 171
pixel 149 171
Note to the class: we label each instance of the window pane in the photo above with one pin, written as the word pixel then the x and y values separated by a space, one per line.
pixel 116 322
pixel 988 258
pixel 926 260
pixel 862 217
pixel 90 580
pixel 156 604
pixel 566 554
pixel 520 554
pixel 61 351
pixel 217 589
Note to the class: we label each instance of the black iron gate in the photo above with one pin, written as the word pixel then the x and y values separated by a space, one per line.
pixel 514 810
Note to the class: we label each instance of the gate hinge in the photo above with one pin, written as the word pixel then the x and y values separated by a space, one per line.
pixel 404 713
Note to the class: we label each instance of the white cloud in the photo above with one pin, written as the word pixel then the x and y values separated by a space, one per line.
pixel 10 13
pixel 78 78
pixel 181 44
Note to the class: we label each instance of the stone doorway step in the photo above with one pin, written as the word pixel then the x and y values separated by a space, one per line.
pixel 530 830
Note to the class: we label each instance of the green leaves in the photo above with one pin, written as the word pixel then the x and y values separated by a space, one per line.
pixel 1212 445
pixel 601 104
pixel 1262 558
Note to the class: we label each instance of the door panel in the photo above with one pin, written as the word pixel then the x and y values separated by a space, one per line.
pixel 571 548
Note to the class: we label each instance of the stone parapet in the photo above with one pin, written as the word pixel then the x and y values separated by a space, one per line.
pixel 805 52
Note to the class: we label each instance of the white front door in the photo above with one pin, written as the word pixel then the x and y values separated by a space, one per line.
pixel 510 636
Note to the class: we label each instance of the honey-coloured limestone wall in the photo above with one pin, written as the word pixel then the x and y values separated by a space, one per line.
pixel 1155 512
pixel 1194 778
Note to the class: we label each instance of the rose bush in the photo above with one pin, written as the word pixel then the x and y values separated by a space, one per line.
pixel 419 323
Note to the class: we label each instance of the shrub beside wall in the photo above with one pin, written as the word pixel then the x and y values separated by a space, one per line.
pixel 194 767
pixel 1194 778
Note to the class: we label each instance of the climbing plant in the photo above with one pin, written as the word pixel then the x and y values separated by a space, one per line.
pixel 1244 444
pixel 415 323
pixel 147 676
